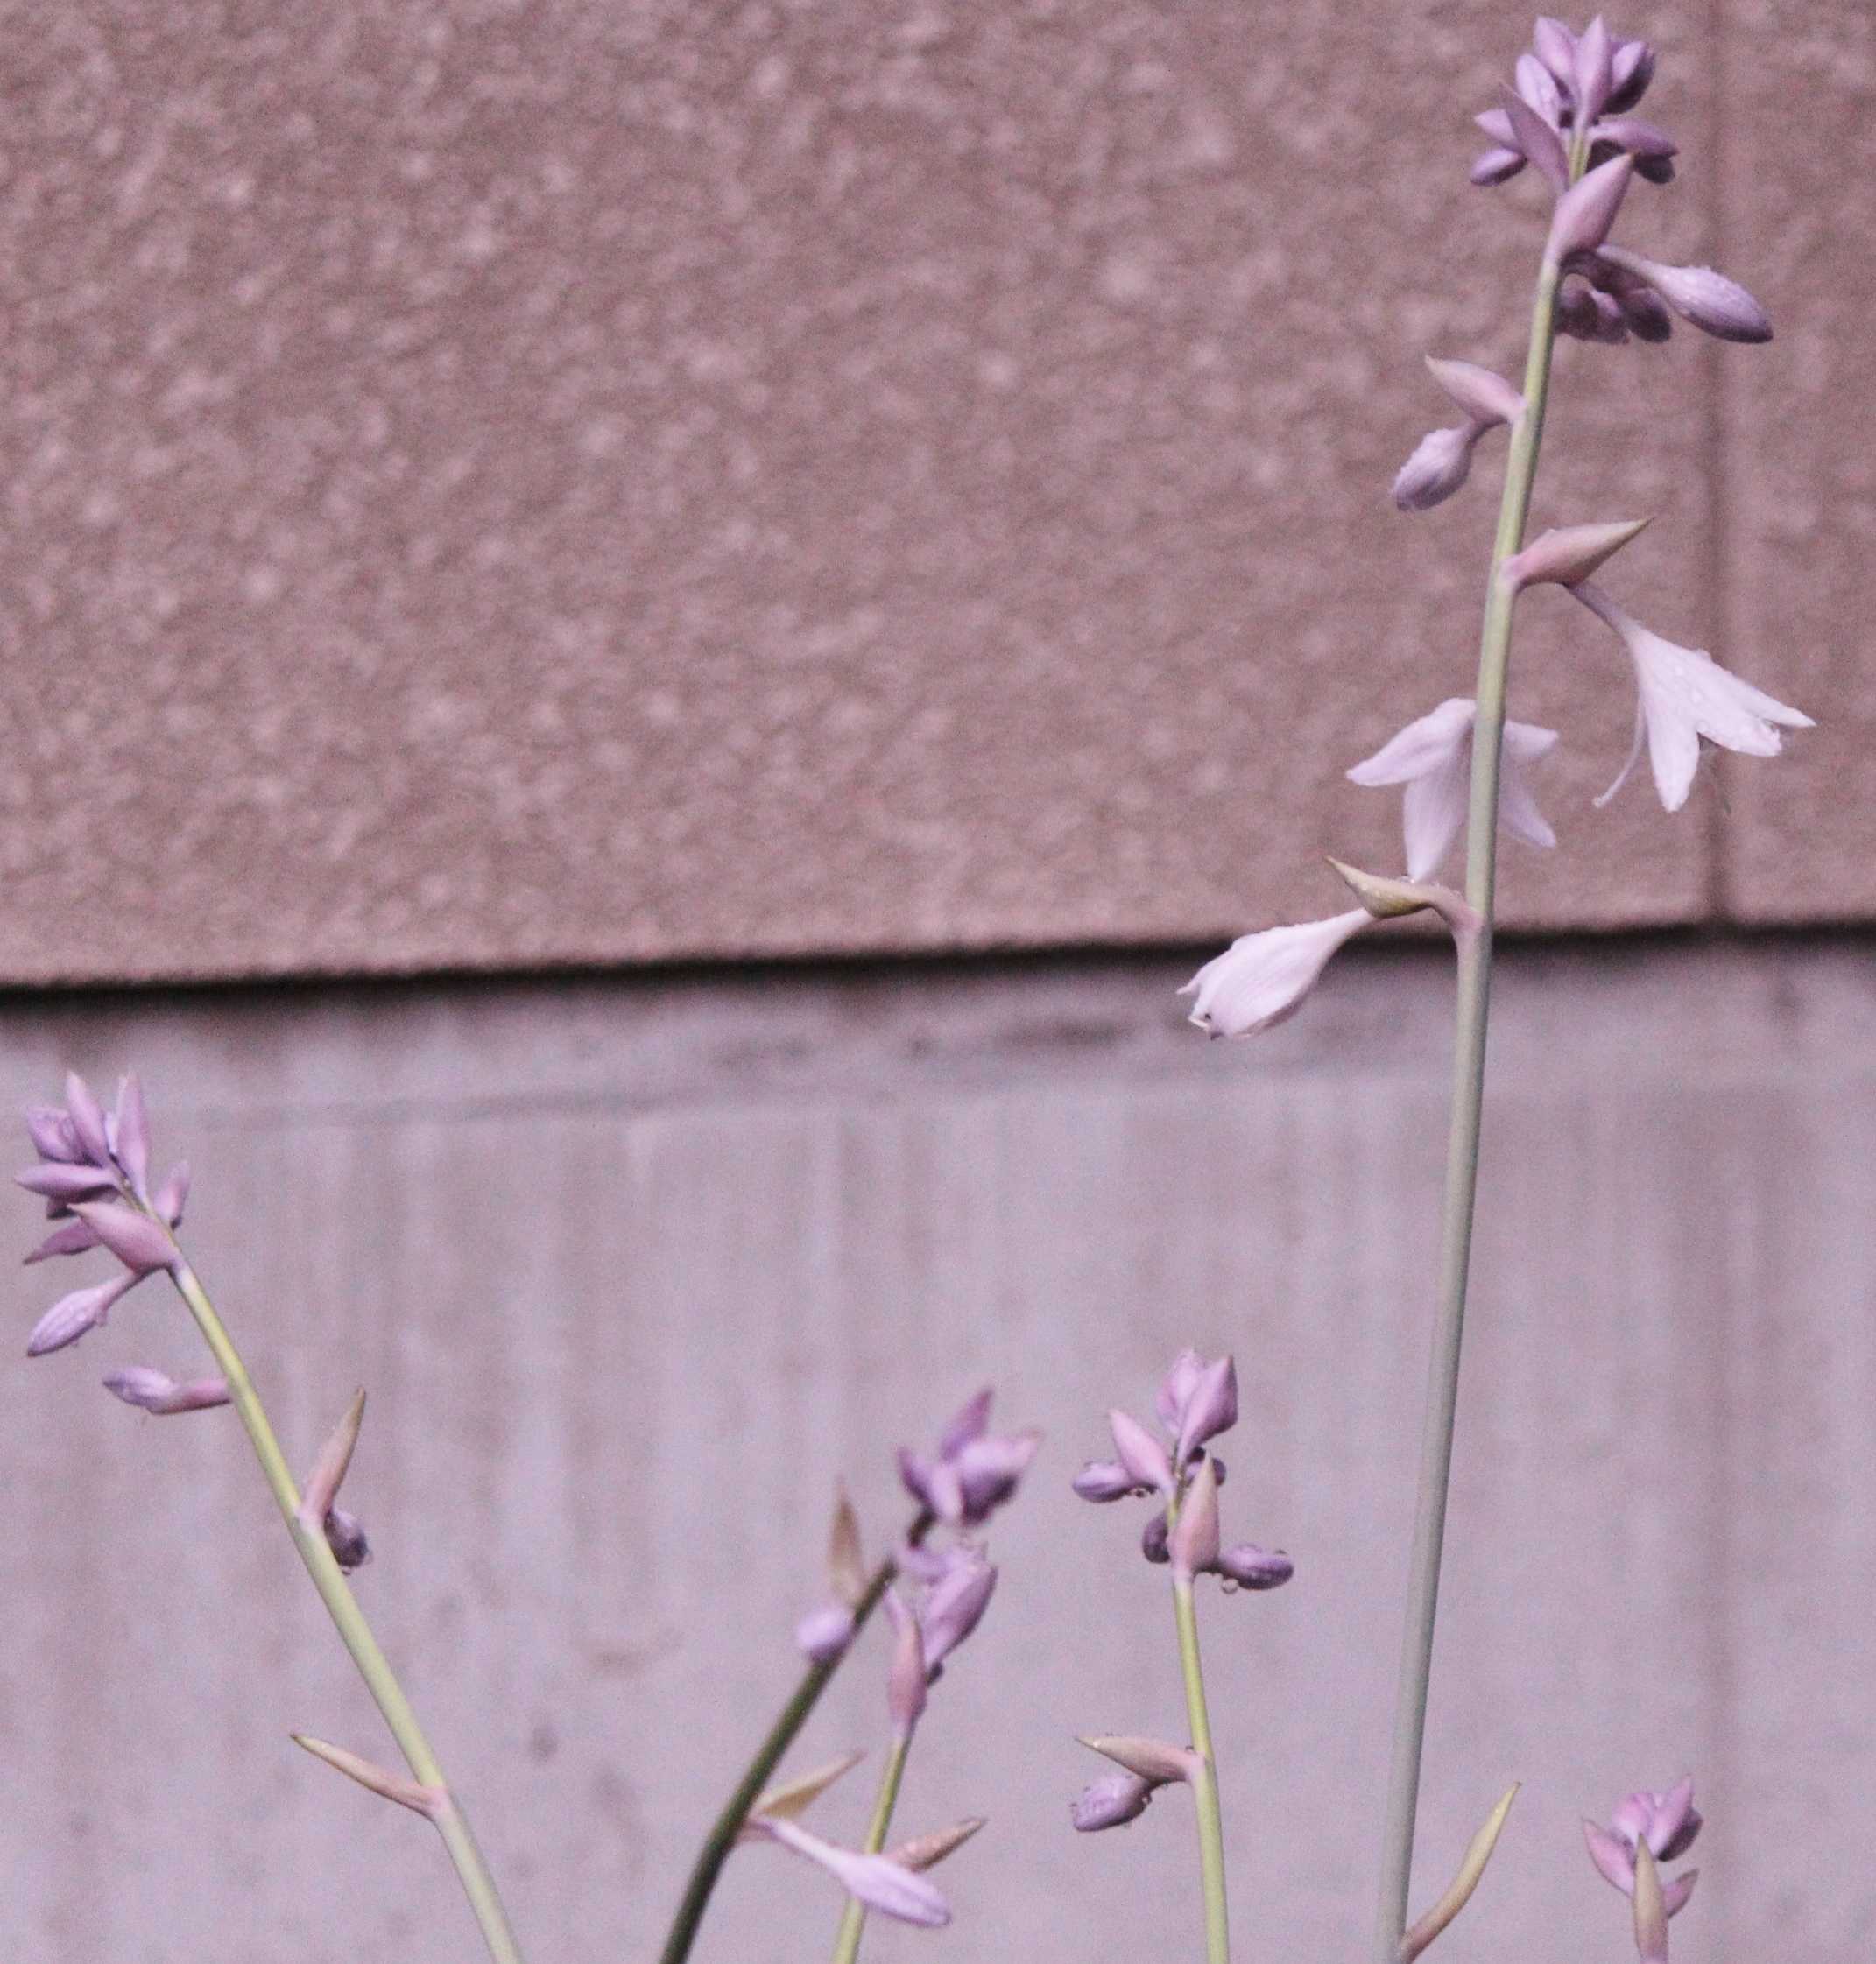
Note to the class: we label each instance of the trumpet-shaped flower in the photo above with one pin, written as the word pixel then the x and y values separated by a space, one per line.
pixel 1685 695
pixel 1433 758
pixel 1262 978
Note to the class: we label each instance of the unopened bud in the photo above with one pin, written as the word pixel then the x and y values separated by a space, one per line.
pixel 1142 1456
pixel 1110 1802
pixel 88 1119
pixel 131 1133
pixel 1102 1480
pixel 156 1391
pixel 173 1195
pixel 1440 465
pixel 1567 554
pixel 72 1316
pixel 345 1536
pixel 1714 305
pixel 1586 211
pixel 1538 142
pixel 1590 80
pixel 823 1633
pixel 906 1679
pixel 134 1238
pixel 1253 1567
pixel 1155 1537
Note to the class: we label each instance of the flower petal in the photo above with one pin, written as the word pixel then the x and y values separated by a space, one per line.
pixel 1423 745
pixel 875 1880
pixel 1432 811
pixel 1262 978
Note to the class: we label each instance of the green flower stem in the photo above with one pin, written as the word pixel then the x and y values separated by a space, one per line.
pixel 847 1943
pixel 1204 1778
pixel 722 1837
pixel 354 1631
pixel 1462 1160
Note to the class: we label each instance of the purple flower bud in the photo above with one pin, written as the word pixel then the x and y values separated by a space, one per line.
pixel 1591 79
pixel 1641 140
pixel 1440 465
pixel 53 1134
pixel 1630 70
pixel 173 1195
pixel 88 1119
pixel 905 1679
pixel 1555 46
pixel 824 1633
pixel 1538 87
pixel 57 1181
pixel 1586 211
pixel 1716 305
pixel 975 1470
pixel 1496 165
pixel 971 1421
pixel 72 1316
pixel 345 1536
pixel 956 1606
pixel 1175 1390
pixel 1211 1409
pixel 136 1240
pixel 75 1237
pixel 1104 1480
pixel 1667 1821
pixel 1156 1539
pixel 1112 1801
pixel 1539 143
pixel 1142 1454
pixel 132 1133
pixel 1253 1567
pixel 156 1391
pixel 1643 313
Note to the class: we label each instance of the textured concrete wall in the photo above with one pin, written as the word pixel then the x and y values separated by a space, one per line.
pixel 493 485
pixel 632 1271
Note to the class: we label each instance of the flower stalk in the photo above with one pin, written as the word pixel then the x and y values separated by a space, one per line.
pixel 853 1918
pixel 1471 1015
pixel 1203 1776
pixel 355 1632
pixel 768 1756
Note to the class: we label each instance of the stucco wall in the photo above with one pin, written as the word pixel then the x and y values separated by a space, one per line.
pixel 493 485
pixel 632 1271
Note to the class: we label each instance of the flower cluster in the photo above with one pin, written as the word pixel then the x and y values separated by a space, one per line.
pixel 1644 1830
pixel 93 1174
pixel 1568 117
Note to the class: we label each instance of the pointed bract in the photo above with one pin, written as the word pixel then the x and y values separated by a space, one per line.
pixel 1586 211
pixel 1566 555
pixel 927 1851
pixel 1194 1542
pixel 1485 397
pixel 1146 1460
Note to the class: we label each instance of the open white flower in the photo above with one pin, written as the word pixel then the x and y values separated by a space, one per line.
pixel 1685 694
pixel 1262 978
pixel 1433 757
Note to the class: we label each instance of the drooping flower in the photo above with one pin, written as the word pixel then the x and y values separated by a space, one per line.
pixel 1683 694
pixel 156 1391
pixel 974 1471
pixel 1443 459
pixel 1262 978
pixel 884 1885
pixel 1667 1822
pixel 1432 758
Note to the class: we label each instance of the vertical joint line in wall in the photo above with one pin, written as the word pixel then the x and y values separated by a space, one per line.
pixel 1716 448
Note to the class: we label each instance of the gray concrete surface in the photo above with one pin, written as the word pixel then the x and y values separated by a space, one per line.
pixel 632 1270
pixel 493 486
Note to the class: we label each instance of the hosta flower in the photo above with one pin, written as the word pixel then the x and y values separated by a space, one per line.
pixel 1566 80
pixel 1667 1822
pixel 1685 695
pixel 974 1471
pixel 1444 459
pixel 1433 758
pixel 1262 978
pixel 881 1884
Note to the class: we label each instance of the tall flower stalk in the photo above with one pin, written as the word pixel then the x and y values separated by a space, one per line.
pixel 1569 120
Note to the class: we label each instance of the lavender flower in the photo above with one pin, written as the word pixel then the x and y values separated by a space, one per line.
pixel 974 1471
pixel 1666 1823
pixel 1433 758
pixel 1112 1801
pixel 881 1884
pixel 1262 978
pixel 92 1173
pixel 1682 695
pixel 1196 1402
pixel 155 1391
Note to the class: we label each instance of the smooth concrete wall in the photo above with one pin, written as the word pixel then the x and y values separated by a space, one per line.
pixel 632 1270
pixel 495 485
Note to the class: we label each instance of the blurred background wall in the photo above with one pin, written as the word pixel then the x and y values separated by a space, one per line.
pixel 641 641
